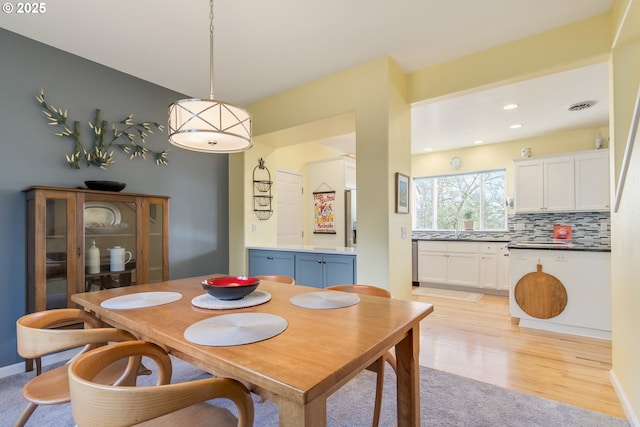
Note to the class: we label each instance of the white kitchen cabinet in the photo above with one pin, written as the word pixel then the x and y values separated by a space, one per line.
pixel 558 184
pixel 494 266
pixel 463 269
pixel 472 264
pixel 454 263
pixel 488 266
pixel 528 186
pixel 592 181
pixel 571 182
pixel 544 184
pixel 502 258
pixel 432 262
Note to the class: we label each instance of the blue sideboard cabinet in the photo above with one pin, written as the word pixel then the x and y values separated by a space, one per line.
pixel 309 268
pixel 265 262
pixel 322 270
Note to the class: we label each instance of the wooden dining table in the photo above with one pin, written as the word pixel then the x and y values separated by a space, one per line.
pixel 319 351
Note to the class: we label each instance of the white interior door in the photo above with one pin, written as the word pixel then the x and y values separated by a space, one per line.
pixel 289 205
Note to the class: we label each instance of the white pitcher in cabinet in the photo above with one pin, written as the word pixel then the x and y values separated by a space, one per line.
pixel 119 257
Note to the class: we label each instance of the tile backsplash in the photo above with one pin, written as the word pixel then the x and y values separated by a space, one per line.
pixel 593 226
pixel 585 226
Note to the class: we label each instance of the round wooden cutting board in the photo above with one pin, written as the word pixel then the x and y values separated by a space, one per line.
pixel 540 295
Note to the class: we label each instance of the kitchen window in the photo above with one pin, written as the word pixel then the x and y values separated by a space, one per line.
pixel 441 202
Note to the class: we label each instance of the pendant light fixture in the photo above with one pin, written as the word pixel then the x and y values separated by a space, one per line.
pixel 208 125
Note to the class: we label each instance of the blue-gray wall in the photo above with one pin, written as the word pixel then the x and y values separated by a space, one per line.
pixel 31 155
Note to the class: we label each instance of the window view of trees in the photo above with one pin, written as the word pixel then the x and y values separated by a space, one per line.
pixel 442 202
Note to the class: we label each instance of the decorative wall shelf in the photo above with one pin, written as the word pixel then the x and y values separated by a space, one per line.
pixel 262 197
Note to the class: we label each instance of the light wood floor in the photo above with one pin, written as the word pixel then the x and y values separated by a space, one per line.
pixel 478 341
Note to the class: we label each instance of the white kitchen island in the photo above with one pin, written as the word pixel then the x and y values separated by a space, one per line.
pixel 586 277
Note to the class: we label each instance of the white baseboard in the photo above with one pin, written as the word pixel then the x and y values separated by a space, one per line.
pixel 545 325
pixel 18 368
pixel 624 402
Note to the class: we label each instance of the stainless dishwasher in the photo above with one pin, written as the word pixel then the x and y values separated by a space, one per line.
pixel 414 261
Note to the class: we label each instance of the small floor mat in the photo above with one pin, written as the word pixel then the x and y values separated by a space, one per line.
pixel 446 293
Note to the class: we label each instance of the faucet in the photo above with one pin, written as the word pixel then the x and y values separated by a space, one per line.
pixel 456 224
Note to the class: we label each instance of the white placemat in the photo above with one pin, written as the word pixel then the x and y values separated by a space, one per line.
pixel 140 300
pixel 325 300
pixel 208 301
pixel 235 329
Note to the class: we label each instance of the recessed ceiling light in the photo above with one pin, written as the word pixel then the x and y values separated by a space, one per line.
pixel 510 106
pixel 478 141
pixel 516 126
pixel 428 149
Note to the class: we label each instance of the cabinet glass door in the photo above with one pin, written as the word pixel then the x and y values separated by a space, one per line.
pixel 56 254
pixel 110 244
pixel 156 242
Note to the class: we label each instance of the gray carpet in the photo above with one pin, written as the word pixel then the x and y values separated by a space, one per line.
pixel 446 400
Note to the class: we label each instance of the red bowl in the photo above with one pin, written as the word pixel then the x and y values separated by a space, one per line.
pixel 230 287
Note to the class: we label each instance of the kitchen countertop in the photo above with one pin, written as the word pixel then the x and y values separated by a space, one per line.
pixel 339 250
pixel 573 245
pixel 464 239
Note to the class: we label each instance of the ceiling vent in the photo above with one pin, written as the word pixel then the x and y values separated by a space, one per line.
pixel 578 106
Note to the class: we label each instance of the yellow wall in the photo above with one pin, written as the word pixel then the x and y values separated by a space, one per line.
pixel 625 231
pixel 237 205
pixel 296 157
pixel 244 220
pixel 373 92
pixel 572 46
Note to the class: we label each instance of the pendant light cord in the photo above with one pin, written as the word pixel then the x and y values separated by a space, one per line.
pixel 207 125
pixel 211 49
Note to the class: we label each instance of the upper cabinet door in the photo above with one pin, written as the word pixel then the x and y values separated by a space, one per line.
pixel 529 186
pixel 559 184
pixel 592 181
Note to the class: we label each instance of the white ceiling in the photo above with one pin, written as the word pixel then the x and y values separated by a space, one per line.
pixel 542 109
pixel 265 47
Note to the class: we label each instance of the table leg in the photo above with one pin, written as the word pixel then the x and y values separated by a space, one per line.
pixel 313 414
pixel 408 379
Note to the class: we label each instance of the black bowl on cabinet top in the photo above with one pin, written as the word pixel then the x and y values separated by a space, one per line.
pixel 105 185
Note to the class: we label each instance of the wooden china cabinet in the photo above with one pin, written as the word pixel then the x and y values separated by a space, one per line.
pixel 64 223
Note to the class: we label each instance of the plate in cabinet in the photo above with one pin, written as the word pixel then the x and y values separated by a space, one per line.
pixel 101 213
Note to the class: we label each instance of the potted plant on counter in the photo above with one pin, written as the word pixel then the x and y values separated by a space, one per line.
pixel 468 220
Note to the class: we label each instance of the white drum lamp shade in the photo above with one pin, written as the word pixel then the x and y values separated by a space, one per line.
pixel 209 126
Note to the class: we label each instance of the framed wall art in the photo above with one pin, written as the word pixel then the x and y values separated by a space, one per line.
pixel 402 193
pixel 324 220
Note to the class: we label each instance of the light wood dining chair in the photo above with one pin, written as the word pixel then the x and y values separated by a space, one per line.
pixel 388 357
pixel 165 404
pixel 362 290
pixel 47 332
pixel 278 278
